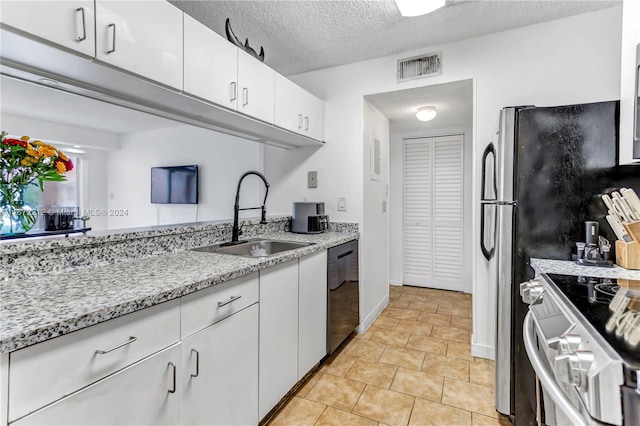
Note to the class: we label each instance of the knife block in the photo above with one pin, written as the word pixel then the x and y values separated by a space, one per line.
pixel 633 229
pixel 628 254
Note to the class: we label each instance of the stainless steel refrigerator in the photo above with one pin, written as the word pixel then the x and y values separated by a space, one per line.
pixel 541 177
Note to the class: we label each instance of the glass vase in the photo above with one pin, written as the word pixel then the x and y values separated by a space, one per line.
pixel 16 215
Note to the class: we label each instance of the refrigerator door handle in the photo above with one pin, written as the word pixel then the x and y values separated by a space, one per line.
pixel 486 252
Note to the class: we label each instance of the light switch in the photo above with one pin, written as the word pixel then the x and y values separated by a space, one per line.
pixel 342 204
pixel 312 179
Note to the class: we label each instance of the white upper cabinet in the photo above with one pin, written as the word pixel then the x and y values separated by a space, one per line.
pixel 210 65
pixel 143 37
pixel 629 74
pixel 66 23
pixel 298 110
pixel 256 88
pixel 313 110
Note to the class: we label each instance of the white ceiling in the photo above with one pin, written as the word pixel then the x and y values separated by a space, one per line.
pixel 305 35
pixel 453 102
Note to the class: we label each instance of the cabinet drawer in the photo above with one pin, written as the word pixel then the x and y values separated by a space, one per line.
pixel 138 395
pixel 208 306
pixel 45 372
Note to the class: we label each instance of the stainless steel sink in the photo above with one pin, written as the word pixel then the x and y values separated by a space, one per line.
pixel 254 248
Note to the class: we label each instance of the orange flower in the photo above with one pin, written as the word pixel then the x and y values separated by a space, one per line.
pixel 60 167
pixel 26 162
pixel 62 156
pixel 25 138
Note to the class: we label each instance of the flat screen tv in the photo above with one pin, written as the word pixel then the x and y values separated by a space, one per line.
pixel 174 185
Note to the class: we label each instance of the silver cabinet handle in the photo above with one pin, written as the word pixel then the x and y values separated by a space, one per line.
pixel 128 342
pixel 546 377
pixel 300 121
pixel 113 38
pixel 306 123
pixel 84 26
pixel 197 363
pixel 232 91
pixel 245 96
pixel 173 389
pixel 232 299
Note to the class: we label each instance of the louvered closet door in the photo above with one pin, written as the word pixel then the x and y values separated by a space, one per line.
pixel 433 212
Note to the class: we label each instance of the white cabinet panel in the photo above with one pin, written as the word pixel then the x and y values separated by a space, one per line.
pixel 138 395
pixel 629 103
pixel 312 328
pixel 220 372
pixel 43 373
pixel 210 65
pixel 313 110
pixel 67 23
pixel 278 333
pixel 256 88
pixel 143 37
pixel 288 105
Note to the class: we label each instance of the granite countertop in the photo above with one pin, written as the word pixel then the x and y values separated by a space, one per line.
pixel 40 308
pixel 567 267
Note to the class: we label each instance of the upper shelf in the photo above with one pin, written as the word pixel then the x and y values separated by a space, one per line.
pixel 41 63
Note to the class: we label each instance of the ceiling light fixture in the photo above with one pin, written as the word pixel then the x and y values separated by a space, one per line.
pixel 418 7
pixel 426 113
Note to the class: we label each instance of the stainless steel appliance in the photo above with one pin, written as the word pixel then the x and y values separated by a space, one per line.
pixel 309 218
pixel 582 339
pixel 343 299
pixel 541 176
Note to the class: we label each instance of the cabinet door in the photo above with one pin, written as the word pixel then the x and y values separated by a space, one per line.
pixel 256 88
pixel 629 101
pixel 210 65
pixel 312 329
pixel 288 105
pixel 67 23
pixel 313 110
pixel 220 372
pixel 144 37
pixel 138 395
pixel 278 333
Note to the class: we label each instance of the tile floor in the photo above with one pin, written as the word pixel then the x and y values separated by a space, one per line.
pixel 412 367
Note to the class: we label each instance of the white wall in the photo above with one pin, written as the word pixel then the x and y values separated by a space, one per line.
pixel 221 160
pixel 571 60
pixel 374 243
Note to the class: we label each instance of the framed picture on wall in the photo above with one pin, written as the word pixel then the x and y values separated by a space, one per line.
pixel 375 170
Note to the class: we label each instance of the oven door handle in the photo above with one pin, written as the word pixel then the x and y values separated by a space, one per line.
pixel 546 377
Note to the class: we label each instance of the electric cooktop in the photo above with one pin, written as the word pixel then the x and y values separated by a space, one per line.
pixel 611 306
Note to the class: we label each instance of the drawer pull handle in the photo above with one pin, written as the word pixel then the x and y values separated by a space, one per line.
pixel 245 96
pixel 232 299
pixel 197 363
pixel 173 389
pixel 128 342
pixel 232 91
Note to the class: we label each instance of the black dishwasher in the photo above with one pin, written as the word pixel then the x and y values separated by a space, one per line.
pixel 343 313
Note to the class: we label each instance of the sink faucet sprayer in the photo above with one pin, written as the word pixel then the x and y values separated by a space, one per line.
pixel 235 233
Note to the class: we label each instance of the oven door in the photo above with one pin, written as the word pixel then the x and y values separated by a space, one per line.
pixel 554 408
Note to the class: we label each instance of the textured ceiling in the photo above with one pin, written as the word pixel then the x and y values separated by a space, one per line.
pixel 305 35
pixel 453 102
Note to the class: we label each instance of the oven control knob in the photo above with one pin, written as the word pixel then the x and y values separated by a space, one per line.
pixel 572 368
pixel 565 344
pixel 531 291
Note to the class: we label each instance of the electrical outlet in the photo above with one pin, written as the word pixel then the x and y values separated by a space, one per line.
pixel 312 179
pixel 342 204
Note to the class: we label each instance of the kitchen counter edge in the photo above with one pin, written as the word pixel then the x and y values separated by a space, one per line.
pixel 26 327
pixel 567 267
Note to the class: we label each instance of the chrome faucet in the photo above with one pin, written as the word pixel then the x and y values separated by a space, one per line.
pixel 235 232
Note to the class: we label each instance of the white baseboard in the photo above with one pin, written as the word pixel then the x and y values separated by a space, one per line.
pixel 366 323
pixel 483 351
pixel 395 282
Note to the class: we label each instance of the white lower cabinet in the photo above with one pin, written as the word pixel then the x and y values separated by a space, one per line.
pixel 278 333
pixel 144 393
pixel 312 295
pixel 220 372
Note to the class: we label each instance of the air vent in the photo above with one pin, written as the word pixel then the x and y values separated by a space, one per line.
pixel 428 65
